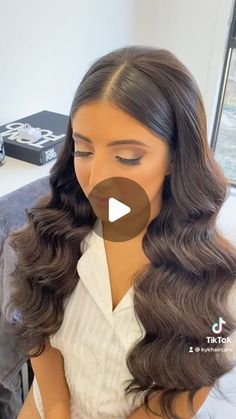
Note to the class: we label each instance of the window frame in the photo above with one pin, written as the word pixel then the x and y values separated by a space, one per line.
pixel 231 45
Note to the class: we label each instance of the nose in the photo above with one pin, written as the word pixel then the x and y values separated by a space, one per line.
pixel 100 172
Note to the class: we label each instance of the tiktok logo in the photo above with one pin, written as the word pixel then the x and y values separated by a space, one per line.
pixel 218 327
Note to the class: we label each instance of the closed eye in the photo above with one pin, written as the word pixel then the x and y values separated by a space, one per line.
pixel 122 160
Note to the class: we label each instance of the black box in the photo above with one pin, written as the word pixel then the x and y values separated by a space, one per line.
pixel 53 126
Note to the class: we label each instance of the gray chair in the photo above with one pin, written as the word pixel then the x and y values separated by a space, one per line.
pixel 14 370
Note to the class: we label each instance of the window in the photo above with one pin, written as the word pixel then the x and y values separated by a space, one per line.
pixel 223 140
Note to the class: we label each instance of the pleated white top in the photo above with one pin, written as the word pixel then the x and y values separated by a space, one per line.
pixel 94 340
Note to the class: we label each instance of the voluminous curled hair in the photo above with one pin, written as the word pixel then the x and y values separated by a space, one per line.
pixel 192 269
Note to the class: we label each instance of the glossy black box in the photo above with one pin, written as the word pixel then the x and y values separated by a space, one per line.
pixel 53 126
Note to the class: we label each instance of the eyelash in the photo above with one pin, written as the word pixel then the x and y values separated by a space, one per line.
pixel 128 162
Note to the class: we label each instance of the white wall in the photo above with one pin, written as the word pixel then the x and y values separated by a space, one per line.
pixel 46 46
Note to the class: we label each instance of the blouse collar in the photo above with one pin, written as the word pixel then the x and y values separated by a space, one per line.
pixel 92 268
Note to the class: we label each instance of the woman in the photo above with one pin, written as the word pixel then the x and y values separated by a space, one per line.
pixel 83 299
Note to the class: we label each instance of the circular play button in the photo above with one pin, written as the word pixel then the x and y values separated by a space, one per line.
pixel 123 206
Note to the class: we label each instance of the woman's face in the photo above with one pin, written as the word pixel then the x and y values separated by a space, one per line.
pixel 94 127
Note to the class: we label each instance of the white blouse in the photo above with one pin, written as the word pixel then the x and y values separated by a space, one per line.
pixel 94 340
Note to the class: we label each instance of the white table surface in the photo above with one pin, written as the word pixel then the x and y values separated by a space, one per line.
pixel 16 173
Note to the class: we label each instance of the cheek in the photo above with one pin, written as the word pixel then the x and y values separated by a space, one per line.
pixel 149 175
pixel 81 174
pixel 150 178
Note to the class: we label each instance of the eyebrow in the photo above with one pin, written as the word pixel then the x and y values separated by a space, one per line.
pixel 76 135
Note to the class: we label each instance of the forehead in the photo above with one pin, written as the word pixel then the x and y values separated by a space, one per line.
pixel 103 121
pixel 103 114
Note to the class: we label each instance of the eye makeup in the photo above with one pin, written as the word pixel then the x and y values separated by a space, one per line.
pixel 122 160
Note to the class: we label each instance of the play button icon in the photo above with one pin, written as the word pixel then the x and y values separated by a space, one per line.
pixel 116 209
pixel 123 207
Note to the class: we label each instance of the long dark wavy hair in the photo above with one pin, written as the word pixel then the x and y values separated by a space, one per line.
pixel 192 270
